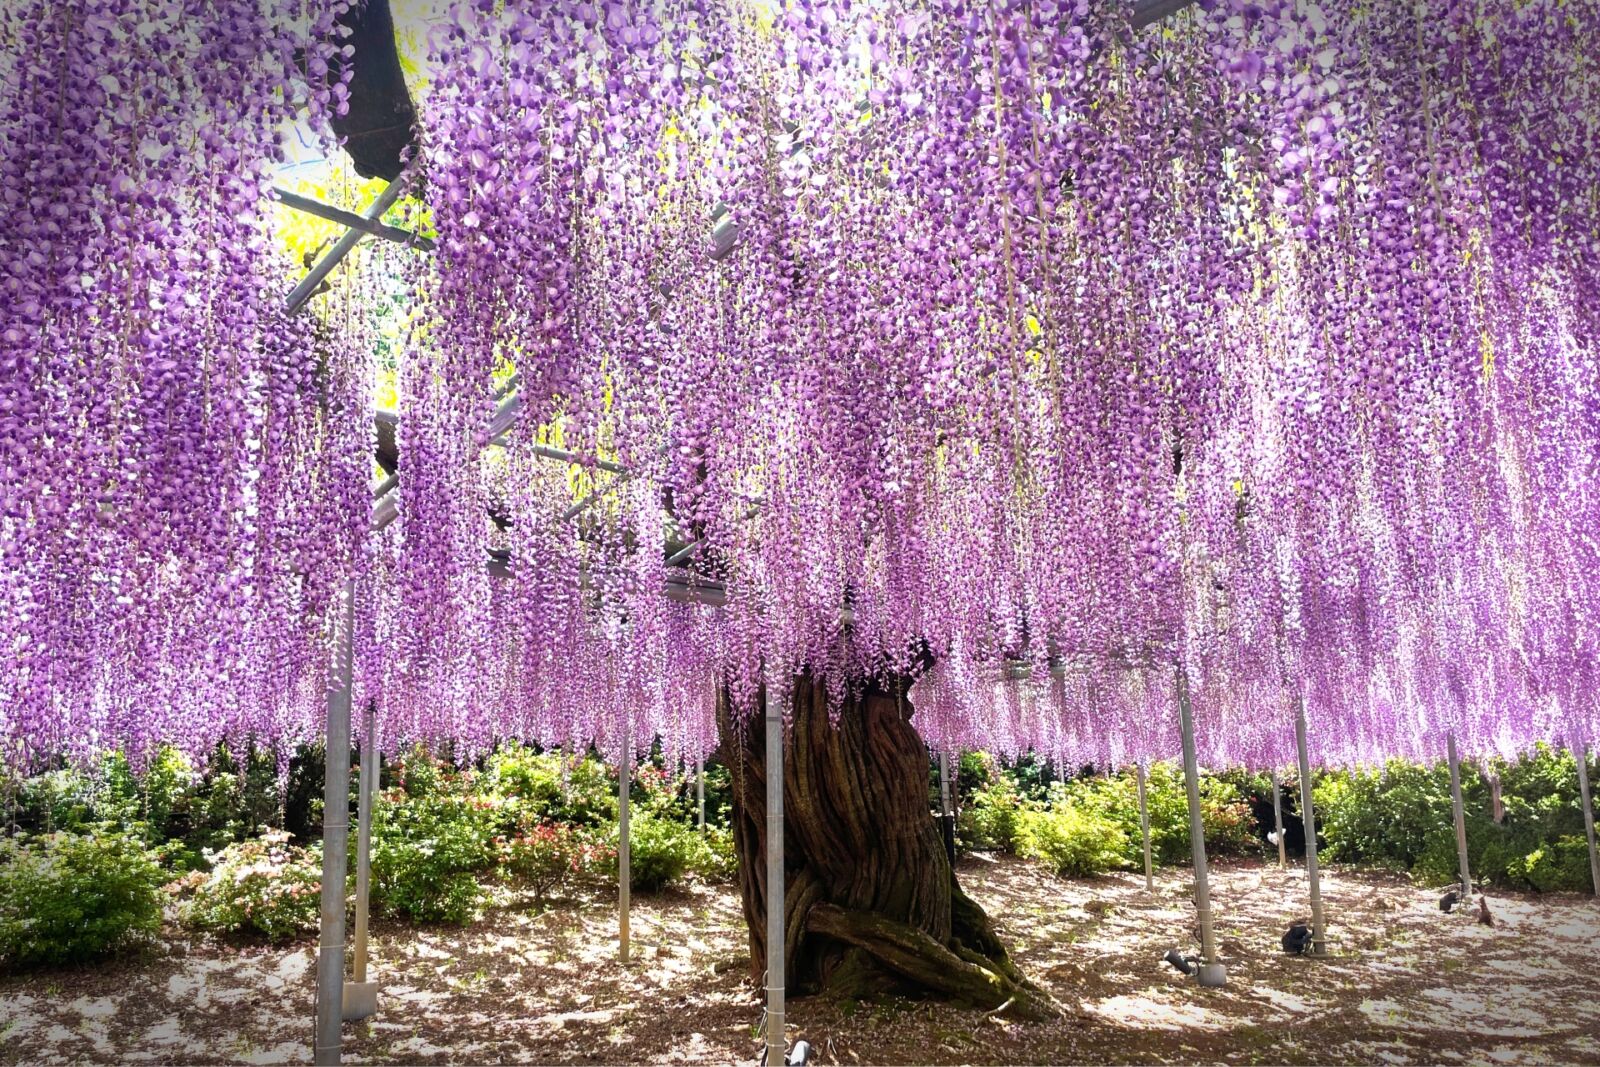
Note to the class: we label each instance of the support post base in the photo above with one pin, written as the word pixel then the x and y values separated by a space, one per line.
pixel 360 1000
pixel 1213 975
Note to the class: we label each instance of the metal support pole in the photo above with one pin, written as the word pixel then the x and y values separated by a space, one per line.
pixel 308 285
pixel 353 221
pixel 1212 973
pixel 700 791
pixel 947 817
pixel 1277 818
pixel 1580 749
pixel 1308 816
pixel 1460 816
pixel 1141 777
pixel 335 841
pixel 776 964
pixel 369 770
pixel 361 996
pixel 624 874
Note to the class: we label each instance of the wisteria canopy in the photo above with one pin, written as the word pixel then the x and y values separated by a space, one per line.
pixel 1004 345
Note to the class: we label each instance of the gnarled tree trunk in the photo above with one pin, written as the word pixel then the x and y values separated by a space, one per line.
pixel 872 904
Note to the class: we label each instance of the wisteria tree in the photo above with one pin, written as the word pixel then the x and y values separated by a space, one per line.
pixel 960 374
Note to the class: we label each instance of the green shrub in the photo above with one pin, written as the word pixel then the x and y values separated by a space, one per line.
pixel 714 858
pixel 660 851
pixel 988 820
pixel 67 898
pixel 168 804
pixel 1223 812
pixel 535 790
pixel 656 792
pixel 1167 802
pixel 543 857
pixel 1401 817
pixel 1393 817
pixel 1071 841
pixel 264 886
pixel 971 773
pixel 61 799
pixel 1563 865
pixel 1031 776
pixel 431 838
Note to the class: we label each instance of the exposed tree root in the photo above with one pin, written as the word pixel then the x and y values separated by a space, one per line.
pixel 871 904
pixel 963 975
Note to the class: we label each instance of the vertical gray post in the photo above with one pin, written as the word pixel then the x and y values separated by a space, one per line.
pixel 776 964
pixel 1460 816
pixel 947 814
pixel 1580 749
pixel 700 791
pixel 1308 816
pixel 360 995
pixel 369 772
pixel 1277 818
pixel 335 841
pixel 1144 828
pixel 624 873
pixel 1212 973
pixel 944 784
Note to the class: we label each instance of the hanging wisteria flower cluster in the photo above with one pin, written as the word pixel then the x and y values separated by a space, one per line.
pixel 182 465
pixel 1012 347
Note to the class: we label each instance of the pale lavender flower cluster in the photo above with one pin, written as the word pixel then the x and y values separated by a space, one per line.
pixel 1006 346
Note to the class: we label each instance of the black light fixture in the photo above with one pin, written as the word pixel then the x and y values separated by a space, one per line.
pixel 1183 964
pixel 1297 941
pixel 1447 903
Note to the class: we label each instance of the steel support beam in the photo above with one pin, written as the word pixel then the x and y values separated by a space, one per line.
pixel 350 219
pixel 700 793
pixel 1142 776
pixel 1277 818
pixel 947 815
pixel 1319 941
pixel 1460 816
pixel 1149 12
pixel 776 964
pixel 1212 973
pixel 361 996
pixel 335 841
pixel 343 247
pixel 1580 749
pixel 624 845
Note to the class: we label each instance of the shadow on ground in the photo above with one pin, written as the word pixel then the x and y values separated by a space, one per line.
pixel 1405 984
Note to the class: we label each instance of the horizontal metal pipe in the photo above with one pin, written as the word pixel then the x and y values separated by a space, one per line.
pixel 355 222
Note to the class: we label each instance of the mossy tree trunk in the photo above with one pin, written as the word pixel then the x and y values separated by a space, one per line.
pixel 872 903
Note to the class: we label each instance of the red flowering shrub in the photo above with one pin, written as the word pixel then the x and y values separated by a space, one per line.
pixel 544 856
pixel 265 886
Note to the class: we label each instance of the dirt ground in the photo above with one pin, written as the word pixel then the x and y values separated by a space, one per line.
pixel 1406 984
